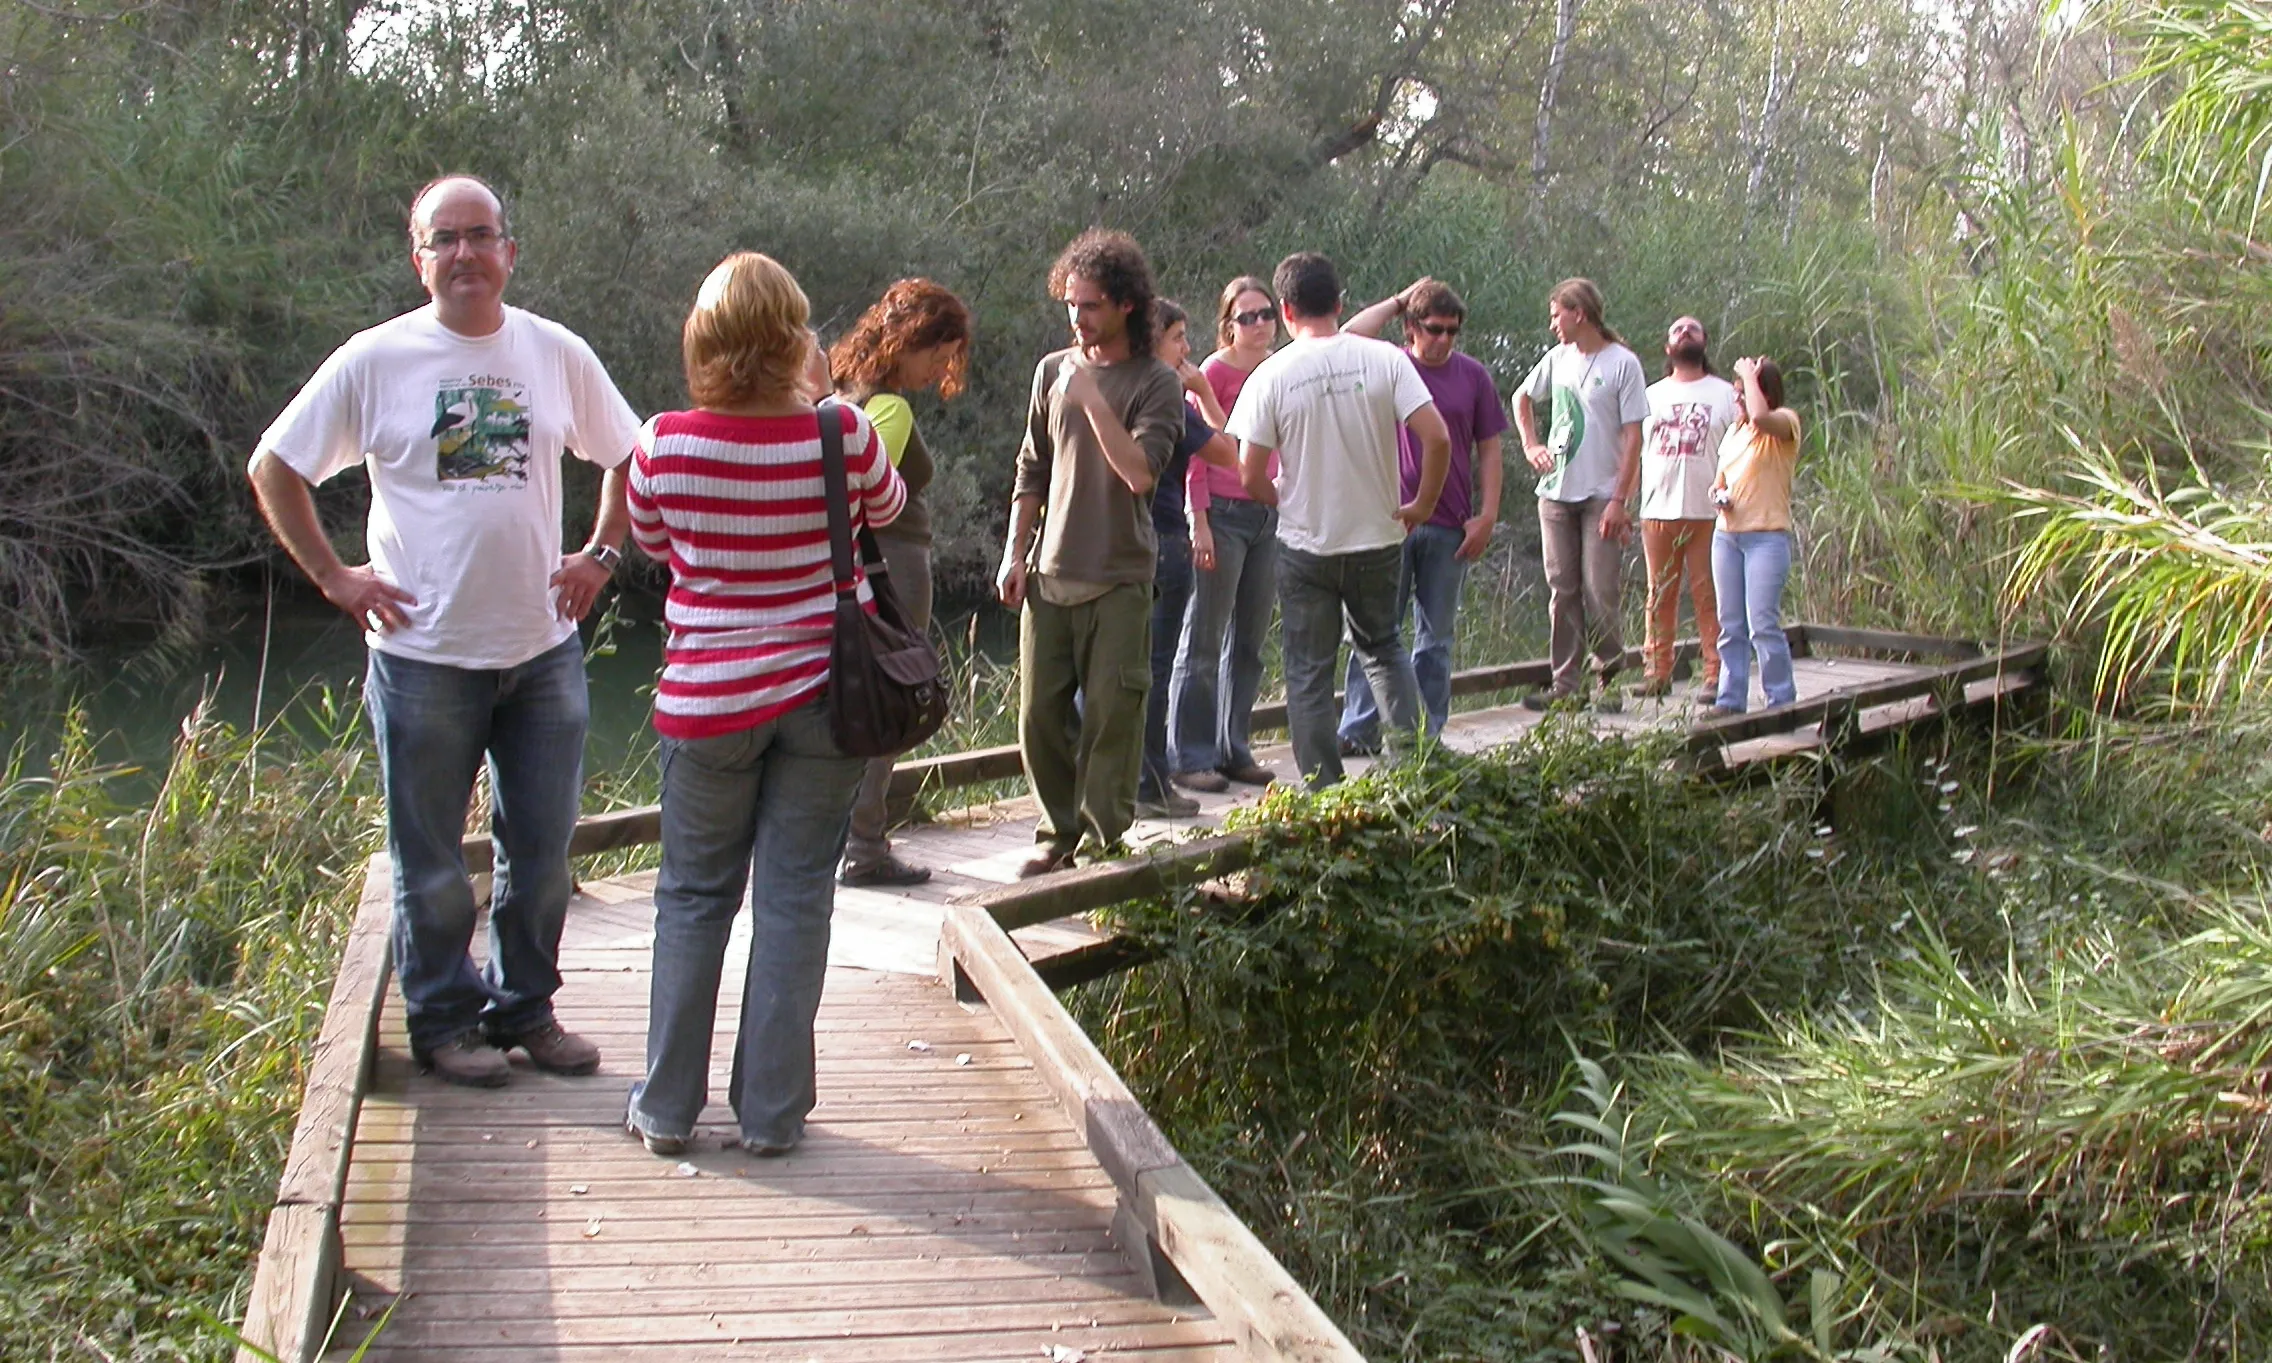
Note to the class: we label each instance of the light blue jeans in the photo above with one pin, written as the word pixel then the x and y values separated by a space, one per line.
pixel 771 802
pixel 435 726
pixel 1748 571
pixel 1429 577
pixel 1218 662
pixel 1320 596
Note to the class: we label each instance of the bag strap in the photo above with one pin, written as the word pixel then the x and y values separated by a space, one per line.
pixel 837 494
pixel 839 498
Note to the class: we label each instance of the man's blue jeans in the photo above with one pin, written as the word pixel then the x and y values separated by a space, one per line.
pixel 1218 661
pixel 769 804
pixel 1428 576
pixel 1748 571
pixel 434 725
pixel 1318 596
pixel 1171 601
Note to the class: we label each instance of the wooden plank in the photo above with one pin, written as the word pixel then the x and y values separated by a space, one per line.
pixel 1123 1139
pixel 1166 1342
pixel 286 1316
pixel 1062 894
pixel 1884 642
pixel 1240 1280
pixel 1221 1261
pixel 1717 733
pixel 290 1307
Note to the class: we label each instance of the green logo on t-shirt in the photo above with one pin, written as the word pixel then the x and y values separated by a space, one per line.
pixel 1565 432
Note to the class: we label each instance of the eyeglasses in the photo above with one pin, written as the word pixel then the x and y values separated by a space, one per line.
pixel 1440 328
pixel 478 239
pixel 1249 318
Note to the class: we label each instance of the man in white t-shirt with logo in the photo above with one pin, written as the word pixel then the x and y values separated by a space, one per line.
pixel 1690 409
pixel 460 413
pixel 1329 406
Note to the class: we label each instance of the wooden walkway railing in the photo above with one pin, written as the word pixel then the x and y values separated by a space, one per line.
pixel 1177 1234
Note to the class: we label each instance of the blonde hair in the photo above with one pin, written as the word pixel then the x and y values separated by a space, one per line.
pixel 746 339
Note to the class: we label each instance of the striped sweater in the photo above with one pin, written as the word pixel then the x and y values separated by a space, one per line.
pixel 736 505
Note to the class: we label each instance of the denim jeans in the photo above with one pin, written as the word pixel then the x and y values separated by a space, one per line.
pixel 1318 596
pixel 1748 571
pixel 1171 601
pixel 767 805
pixel 434 725
pixel 1429 575
pixel 1218 661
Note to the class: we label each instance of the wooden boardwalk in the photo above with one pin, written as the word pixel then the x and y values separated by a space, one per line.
pixel 976 1183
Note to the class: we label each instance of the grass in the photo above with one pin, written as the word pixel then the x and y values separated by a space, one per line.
pixel 163 963
pixel 1979 1054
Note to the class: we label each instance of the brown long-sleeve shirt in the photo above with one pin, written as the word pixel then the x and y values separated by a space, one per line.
pixel 1093 529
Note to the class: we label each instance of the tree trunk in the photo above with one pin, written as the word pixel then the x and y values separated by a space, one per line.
pixel 1565 24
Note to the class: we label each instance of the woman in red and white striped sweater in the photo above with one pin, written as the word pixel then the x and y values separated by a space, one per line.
pixel 730 494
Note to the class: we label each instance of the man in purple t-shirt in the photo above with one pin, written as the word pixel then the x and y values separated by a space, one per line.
pixel 1437 553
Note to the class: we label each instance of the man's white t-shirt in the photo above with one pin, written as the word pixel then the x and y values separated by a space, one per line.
pixel 1680 445
pixel 1594 397
pixel 1330 406
pixel 462 436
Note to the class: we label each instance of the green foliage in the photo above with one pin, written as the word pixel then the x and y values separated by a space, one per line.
pixel 164 960
pixel 1965 1071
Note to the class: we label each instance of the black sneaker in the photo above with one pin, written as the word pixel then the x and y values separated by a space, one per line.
pixel 1547 699
pixel 1166 805
pixel 890 871
pixel 1360 747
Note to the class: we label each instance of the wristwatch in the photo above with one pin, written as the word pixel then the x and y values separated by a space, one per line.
pixel 605 555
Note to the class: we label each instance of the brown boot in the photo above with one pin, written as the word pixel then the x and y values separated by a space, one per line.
pixel 466 1059
pixel 554 1049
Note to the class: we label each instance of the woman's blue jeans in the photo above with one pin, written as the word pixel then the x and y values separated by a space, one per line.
pixel 435 725
pixel 1748 572
pixel 773 803
pixel 1218 662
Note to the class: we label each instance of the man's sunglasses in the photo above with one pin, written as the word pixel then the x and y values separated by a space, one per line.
pixel 1249 318
pixel 1440 328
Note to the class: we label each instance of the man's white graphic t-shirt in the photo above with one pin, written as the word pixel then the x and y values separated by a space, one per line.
pixel 1680 446
pixel 1593 398
pixel 1331 407
pixel 462 437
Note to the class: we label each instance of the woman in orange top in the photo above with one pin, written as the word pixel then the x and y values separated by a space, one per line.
pixel 1751 545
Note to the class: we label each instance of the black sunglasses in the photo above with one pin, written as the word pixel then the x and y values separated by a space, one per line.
pixel 1440 328
pixel 1249 318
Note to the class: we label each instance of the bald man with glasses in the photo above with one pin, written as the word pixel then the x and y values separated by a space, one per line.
pixel 460 413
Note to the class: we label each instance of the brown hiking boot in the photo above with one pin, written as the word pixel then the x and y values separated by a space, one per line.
pixel 466 1059
pixel 554 1049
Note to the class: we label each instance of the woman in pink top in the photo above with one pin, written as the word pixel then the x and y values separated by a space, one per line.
pixel 1234 545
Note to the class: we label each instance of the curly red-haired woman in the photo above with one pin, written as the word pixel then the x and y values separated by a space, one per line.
pixel 916 337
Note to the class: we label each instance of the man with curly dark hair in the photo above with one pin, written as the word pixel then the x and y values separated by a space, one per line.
pixel 1102 423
